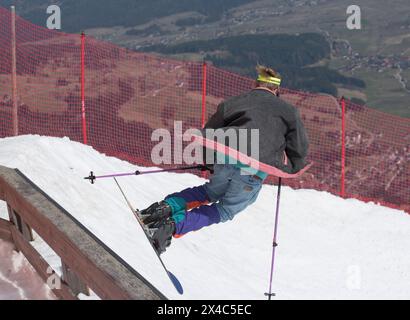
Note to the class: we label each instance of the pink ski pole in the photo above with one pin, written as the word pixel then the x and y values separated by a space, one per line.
pixel 274 243
pixel 92 177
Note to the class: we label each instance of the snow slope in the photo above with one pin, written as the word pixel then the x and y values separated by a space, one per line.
pixel 329 248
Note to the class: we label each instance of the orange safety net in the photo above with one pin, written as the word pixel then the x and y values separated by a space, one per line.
pixel 128 94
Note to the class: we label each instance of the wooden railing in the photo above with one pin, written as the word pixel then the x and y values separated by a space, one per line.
pixel 86 261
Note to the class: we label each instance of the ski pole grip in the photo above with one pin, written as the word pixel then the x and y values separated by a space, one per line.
pixel 270 295
pixel 91 177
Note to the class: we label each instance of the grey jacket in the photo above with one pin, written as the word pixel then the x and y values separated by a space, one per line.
pixel 280 127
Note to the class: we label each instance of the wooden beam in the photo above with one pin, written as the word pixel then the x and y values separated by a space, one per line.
pixel 5 232
pixel 100 268
pixel 41 266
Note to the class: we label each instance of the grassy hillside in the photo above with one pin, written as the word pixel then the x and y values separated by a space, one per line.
pixel 291 55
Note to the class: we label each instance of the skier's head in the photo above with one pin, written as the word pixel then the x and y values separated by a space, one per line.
pixel 268 78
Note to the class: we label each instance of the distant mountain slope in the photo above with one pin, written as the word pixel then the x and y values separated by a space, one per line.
pixel 378 54
pixel 79 15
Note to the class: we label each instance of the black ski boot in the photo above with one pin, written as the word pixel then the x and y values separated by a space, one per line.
pixel 157 212
pixel 162 233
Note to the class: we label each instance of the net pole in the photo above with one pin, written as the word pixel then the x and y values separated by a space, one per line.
pixel 203 111
pixel 204 75
pixel 343 151
pixel 270 294
pixel 14 71
pixel 84 123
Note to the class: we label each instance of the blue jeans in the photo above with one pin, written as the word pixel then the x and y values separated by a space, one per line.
pixel 228 190
pixel 232 190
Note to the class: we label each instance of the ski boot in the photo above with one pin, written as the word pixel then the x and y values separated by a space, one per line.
pixel 155 213
pixel 161 234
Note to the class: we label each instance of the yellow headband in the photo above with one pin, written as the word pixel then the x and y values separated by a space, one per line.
pixel 272 80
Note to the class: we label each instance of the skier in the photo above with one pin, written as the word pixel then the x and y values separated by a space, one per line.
pixel 229 191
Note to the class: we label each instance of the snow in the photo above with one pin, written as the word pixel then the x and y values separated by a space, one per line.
pixel 18 279
pixel 329 248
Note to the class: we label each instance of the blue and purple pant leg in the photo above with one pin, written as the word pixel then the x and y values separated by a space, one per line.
pixel 226 194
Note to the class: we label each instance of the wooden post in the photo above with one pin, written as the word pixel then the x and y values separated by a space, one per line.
pixel 5 231
pixel 21 226
pixel 14 71
pixel 12 217
pixel 75 284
